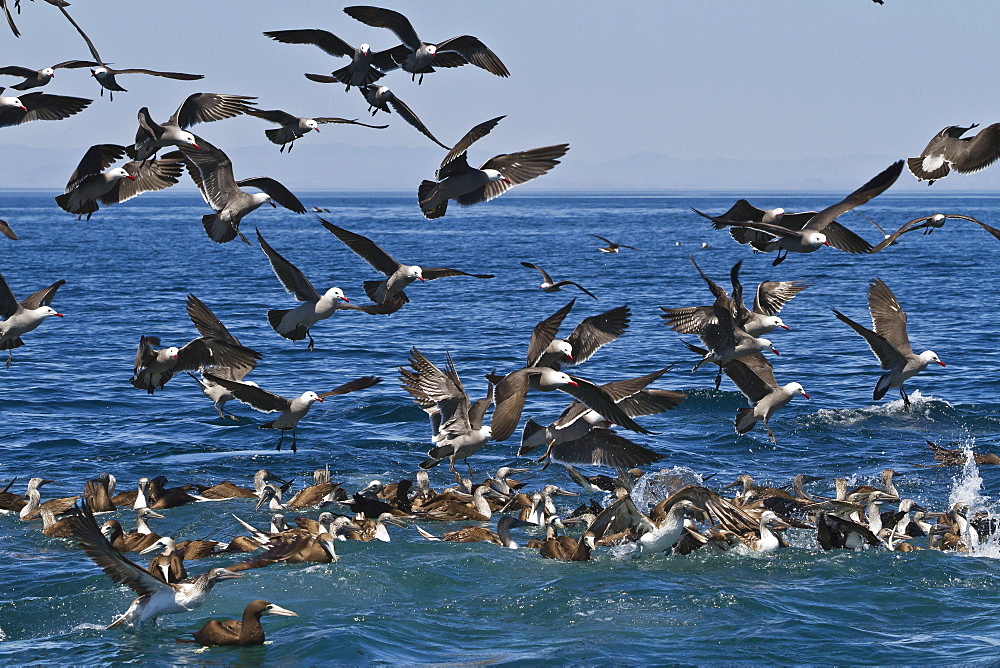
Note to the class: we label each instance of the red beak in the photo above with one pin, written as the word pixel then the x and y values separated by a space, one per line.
pixel 23 108
pixel 319 399
pixel 569 357
pixel 942 363
pixel 272 204
pixel 826 243
pixel 346 300
pixel 775 351
pixel 422 279
pixel 130 177
pixel 574 383
pixel 60 315
pixel 785 327
pixel 196 146
pixel 316 129
pixel 805 395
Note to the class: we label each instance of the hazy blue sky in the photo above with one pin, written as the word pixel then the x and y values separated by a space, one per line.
pixel 716 80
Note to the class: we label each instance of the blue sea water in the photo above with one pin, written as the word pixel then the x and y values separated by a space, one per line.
pixel 69 413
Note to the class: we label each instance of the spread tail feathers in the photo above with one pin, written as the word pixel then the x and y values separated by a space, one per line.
pixel 427 195
pixel 745 420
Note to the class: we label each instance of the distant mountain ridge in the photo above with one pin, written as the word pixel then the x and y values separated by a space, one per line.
pixel 341 166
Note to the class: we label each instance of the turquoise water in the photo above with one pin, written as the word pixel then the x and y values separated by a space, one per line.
pixel 70 413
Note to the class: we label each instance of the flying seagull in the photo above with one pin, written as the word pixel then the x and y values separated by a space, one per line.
pixel 419 57
pixel 399 275
pixel 105 75
pixel 196 108
pixel 294 127
pixel 38 78
pixel 38 107
pixel 89 183
pixel 950 150
pixel 212 171
pixel 380 98
pixel 889 341
pixel 548 285
pixel 611 247
pixel 457 428
pixel 292 410
pixel 754 376
pixel 362 69
pixel 769 299
pixel 770 230
pixel 466 185
pixel 294 324
pixel 512 389
pixel 156 597
pixel 928 224
pixel 21 317
pixel 544 349
pixel 216 347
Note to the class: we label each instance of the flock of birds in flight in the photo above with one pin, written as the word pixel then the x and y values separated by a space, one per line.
pixel 731 333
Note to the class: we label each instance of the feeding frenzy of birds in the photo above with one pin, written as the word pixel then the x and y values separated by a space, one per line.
pixel 688 517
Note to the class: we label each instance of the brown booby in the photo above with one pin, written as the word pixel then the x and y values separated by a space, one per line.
pixel 236 632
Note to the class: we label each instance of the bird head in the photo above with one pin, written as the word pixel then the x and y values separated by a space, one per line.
pixel 775 321
pixel 795 388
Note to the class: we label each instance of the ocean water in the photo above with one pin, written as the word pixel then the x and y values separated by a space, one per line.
pixel 69 413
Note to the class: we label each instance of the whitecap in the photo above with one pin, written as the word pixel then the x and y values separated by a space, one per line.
pixel 920 406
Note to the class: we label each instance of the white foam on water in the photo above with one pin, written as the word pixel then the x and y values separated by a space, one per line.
pixel 967 488
pixel 654 487
pixel 920 405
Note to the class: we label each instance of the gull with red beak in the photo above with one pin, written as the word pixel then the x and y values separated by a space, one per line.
pixel 294 127
pixel 38 107
pixel 294 324
pixel 22 317
pixel 806 232
pixel 399 275
pixel 416 56
pixel 88 184
pixel 212 171
pixel 362 69
pixel 215 348
pixel 196 108
pixel 586 338
pixel 457 180
pixel 889 341
pixel 292 410
pixel 39 78
pixel 755 378
pixel 512 389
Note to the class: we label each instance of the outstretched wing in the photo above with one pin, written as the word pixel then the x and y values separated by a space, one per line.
pixel 293 280
pixel 888 317
pixel 545 331
pixel 887 355
pixel 260 399
pixel 352 386
pixel 276 191
pixel 369 251
pixel 43 297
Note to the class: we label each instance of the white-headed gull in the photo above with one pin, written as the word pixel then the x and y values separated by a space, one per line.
pixel 889 341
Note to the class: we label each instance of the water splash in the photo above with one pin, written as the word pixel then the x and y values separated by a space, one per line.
pixel 920 406
pixel 967 486
pixel 655 487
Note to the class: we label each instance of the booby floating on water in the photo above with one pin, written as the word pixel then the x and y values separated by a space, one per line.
pixel 245 632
